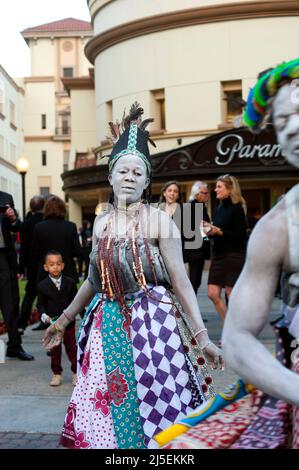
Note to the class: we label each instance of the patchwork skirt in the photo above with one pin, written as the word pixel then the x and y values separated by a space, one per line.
pixel 135 377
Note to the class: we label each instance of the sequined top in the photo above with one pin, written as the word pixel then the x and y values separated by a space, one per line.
pixel 126 263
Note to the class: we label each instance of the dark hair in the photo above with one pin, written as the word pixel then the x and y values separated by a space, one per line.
pixel 52 253
pixel 37 203
pixel 166 185
pixel 54 208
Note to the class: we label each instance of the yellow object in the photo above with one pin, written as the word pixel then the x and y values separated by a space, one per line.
pixel 171 433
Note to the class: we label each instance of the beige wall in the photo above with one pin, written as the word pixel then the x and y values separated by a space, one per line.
pixel 37 174
pixel 40 99
pixel 83 120
pixel 190 64
pixel 75 213
pixel 84 65
pixel 42 57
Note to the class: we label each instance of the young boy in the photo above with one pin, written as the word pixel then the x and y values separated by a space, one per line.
pixel 55 293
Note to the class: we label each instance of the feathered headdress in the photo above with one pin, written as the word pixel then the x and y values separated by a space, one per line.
pixel 130 137
pixel 265 89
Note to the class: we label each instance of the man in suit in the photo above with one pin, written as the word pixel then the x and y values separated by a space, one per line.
pixel 9 289
pixel 27 263
pixel 196 257
pixel 55 293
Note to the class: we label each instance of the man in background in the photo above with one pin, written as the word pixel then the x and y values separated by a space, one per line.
pixel 9 289
pixel 27 264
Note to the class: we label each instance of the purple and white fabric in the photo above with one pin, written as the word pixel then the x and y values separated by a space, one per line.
pixel 164 388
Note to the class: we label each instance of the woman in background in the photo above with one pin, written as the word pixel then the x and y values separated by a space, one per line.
pixel 229 235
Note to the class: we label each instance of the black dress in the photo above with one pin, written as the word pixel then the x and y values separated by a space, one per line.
pixel 195 256
pixel 228 251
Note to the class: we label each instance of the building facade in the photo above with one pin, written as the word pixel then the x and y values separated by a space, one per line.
pixel 190 64
pixel 57 52
pixel 11 136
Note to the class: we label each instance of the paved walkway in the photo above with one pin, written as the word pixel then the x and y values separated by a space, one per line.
pixel 32 412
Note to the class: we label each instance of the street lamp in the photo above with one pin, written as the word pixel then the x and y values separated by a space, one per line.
pixel 22 167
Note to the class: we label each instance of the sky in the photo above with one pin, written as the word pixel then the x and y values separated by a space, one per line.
pixel 21 14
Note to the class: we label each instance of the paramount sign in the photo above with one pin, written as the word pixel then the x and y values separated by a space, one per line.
pixel 236 148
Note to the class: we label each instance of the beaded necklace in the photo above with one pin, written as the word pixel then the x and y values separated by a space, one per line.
pixel 112 280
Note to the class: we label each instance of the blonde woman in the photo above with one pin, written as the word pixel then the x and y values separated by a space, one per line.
pixel 229 234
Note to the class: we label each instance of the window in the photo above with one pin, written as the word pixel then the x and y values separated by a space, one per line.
pixel 68 71
pixel 13 151
pixel 66 159
pixel 232 99
pixel 3 184
pixel 65 125
pixel 44 158
pixel 158 108
pixel 44 191
pixel 44 121
pixel 108 110
pixel 12 112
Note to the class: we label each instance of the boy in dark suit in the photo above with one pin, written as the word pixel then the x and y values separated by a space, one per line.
pixel 55 293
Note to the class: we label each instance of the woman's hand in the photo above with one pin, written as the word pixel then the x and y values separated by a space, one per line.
pixel 213 356
pixel 211 230
pixel 210 351
pixel 53 336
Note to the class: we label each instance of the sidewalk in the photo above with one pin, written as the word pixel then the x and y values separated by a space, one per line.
pixel 32 412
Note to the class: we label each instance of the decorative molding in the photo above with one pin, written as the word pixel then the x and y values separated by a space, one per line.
pixel 99 5
pixel 7 164
pixel 39 79
pixel 11 80
pixel 167 135
pixel 190 17
pixel 81 83
pixel 255 157
pixel 38 138
pixel 35 35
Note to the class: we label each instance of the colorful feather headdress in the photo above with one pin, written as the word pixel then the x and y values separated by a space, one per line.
pixel 130 137
pixel 265 89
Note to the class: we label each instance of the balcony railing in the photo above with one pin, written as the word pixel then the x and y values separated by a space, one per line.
pixel 62 131
pixel 83 161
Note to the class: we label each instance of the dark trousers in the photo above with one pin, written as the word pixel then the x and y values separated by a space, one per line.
pixel 84 258
pixel 26 308
pixel 9 302
pixel 196 264
pixel 69 340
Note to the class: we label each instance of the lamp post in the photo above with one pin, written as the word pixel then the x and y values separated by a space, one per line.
pixel 22 167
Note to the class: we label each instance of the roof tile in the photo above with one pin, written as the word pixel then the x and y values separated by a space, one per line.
pixel 66 24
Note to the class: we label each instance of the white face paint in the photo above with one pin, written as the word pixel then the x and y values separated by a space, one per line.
pixel 286 122
pixel 128 179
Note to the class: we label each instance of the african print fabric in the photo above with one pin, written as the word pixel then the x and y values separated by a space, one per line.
pixel 220 430
pixel 133 379
pixel 269 428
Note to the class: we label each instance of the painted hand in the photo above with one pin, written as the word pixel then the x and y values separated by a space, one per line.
pixel 52 337
pixel 213 356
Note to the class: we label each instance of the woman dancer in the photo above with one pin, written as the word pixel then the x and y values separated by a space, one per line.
pixel 140 366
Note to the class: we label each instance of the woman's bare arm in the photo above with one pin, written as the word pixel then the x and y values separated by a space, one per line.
pixel 171 250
